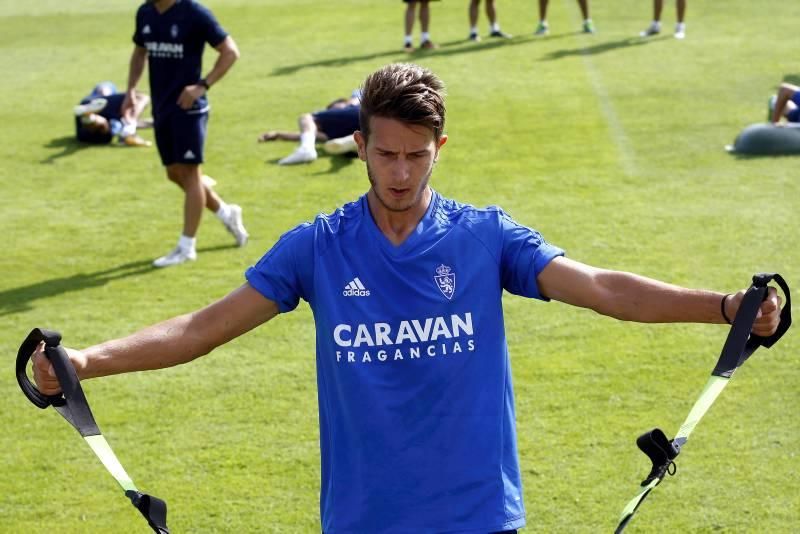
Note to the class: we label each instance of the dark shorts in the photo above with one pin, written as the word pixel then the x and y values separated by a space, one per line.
pixel 181 136
pixel 794 115
pixel 339 122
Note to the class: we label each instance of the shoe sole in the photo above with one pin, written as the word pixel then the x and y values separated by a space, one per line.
pixel 98 104
pixel 242 235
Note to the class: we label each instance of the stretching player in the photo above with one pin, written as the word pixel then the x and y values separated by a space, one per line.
pixel 785 104
pixel 333 126
pixel 99 117
pixel 416 403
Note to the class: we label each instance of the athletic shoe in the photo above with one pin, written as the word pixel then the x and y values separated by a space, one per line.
pixel 341 145
pixel 408 48
pixel 653 29
pixel 428 45
pixel 93 106
pixel 501 34
pixel 542 29
pixel 473 36
pixel 208 181
pixel 134 140
pixel 588 26
pixel 300 155
pixel 771 107
pixel 680 30
pixel 176 257
pixel 235 226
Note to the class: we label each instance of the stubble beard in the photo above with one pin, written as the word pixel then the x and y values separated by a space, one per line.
pixel 395 208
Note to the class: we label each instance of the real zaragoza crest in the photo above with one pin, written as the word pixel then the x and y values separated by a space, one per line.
pixel 445 280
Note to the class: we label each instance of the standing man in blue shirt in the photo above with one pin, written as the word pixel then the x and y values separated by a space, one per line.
pixel 416 403
pixel 171 35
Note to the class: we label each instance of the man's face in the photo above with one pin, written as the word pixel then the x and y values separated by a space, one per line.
pixel 400 160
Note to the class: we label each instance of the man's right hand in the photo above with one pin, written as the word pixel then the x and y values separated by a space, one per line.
pixel 43 374
pixel 129 103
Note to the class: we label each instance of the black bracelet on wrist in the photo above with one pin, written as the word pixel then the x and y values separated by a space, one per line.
pixel 204 83
pixel 722 308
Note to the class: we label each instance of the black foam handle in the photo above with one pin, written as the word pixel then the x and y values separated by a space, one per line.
pixel 71 403
pixel 51 339
pixel 763 279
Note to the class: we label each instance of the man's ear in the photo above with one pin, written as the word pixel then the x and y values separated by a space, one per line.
pixel 361 141
pixel 439 145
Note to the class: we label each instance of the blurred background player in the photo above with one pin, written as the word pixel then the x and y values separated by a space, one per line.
pixel 655 26
pixel 170 36
pixel 543 28
pixel 491 14
pixel 425 42
pixel 99 117
pixel 333 126
pixel 786 104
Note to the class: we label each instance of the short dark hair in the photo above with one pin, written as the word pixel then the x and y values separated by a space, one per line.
pixel 405 92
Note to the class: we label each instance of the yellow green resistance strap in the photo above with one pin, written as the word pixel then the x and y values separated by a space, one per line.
pixel 739 346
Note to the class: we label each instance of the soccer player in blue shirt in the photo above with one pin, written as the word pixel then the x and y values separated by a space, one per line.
pixel 416 404
pixel 170 36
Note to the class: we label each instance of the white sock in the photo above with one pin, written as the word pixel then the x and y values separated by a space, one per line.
pixel 127 130
pixel 307 140
pixel 656 24
pixel 424 36
pixel 474 29
pixel 407 39
pixel 223 212
pixel 495 26
pixel 681 26
pixel 187 244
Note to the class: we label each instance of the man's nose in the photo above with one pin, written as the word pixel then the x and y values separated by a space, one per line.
pixel 402 169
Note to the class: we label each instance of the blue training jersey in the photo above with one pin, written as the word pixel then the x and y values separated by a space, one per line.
pixel 416 405
pixel 174 41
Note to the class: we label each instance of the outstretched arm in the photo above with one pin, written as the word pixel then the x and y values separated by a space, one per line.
pixel 630 297
pixel 172 342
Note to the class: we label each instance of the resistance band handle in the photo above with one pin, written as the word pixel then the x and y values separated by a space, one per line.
pixel 660 451
pixel 761 280
pixel 152 508
pixel 51 339
pixel 741 342
pixel 72 403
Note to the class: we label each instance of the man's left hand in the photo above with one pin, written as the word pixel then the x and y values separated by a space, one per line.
pixel 189 94
pixel 769 314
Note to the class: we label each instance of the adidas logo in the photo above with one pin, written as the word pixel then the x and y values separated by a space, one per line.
pixel 146 29
pixel 188 155
pixel 355 289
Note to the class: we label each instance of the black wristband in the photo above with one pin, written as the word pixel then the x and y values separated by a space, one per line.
pixel 722 308
pixel 204 83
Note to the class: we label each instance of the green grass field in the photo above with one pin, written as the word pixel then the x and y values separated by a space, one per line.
pixel 611 146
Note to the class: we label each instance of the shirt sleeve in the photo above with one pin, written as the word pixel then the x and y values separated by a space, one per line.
pixel 523 256
pixel 285 273
pixel 212 32
pixel 137 30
